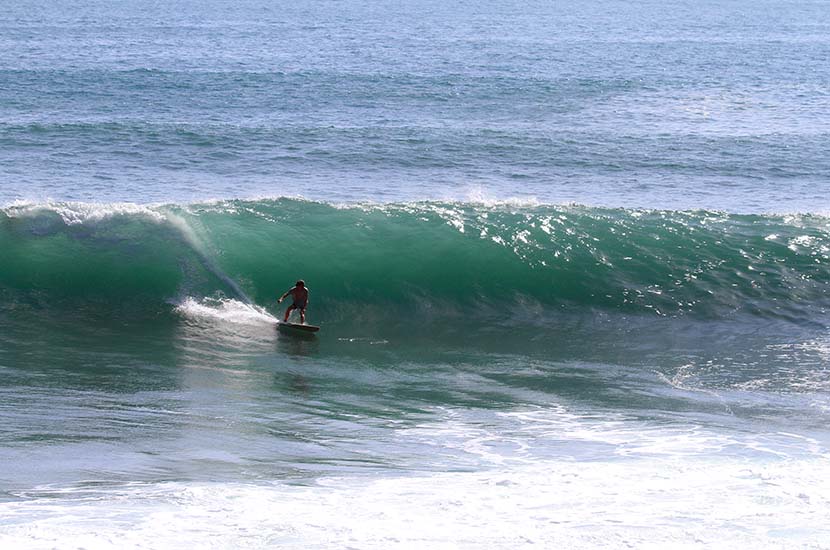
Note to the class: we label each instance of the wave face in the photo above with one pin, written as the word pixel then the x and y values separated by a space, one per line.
pixel 418 260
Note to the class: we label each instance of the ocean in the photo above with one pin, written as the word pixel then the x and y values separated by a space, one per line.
pixel 570 260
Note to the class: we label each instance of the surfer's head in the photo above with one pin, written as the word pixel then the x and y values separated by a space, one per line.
pixel 300 283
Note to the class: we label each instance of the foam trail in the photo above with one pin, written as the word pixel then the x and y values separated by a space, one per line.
pixel 225 310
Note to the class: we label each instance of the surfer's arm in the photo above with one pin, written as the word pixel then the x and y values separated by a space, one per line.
pixel 281 298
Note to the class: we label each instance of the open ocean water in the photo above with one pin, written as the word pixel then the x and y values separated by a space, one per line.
pixel 571 261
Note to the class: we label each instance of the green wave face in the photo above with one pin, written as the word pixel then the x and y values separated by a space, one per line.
pixel 423 259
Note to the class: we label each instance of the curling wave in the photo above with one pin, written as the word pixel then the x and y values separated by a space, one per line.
pixel 433 258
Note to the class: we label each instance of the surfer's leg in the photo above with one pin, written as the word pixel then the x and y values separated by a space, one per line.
pixel 288 312
pixel 302 315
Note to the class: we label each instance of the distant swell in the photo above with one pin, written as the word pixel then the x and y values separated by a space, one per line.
pixel 426 259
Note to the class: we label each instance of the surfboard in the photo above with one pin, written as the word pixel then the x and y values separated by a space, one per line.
pixel 297 326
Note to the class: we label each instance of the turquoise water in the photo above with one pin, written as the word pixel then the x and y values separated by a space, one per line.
pixel 571 263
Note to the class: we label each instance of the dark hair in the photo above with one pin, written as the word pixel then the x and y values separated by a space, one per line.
pixel 300 283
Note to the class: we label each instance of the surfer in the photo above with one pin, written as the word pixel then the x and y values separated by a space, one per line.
pixel 300 295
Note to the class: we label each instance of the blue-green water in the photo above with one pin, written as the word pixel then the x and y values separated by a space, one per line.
pixel 571 262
